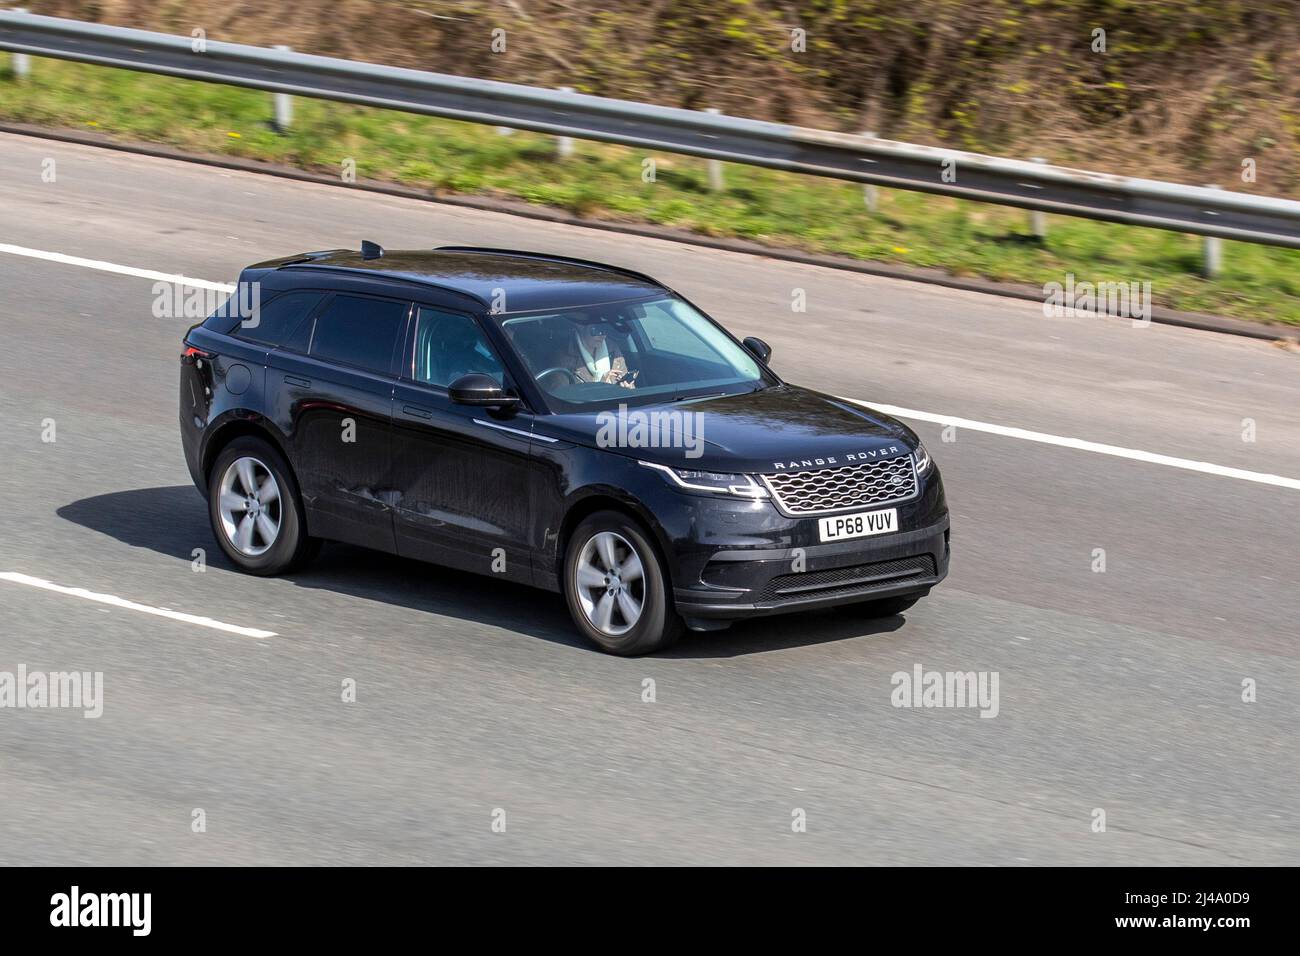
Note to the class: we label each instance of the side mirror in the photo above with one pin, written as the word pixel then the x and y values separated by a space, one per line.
pixel 758 348
pixel 480 390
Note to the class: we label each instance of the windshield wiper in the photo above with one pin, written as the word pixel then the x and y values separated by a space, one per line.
pixel 682 398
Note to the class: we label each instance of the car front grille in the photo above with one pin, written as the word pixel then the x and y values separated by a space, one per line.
pixel 849 580
pixel 828 490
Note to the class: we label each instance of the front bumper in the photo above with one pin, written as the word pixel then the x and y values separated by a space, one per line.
pixel 745 583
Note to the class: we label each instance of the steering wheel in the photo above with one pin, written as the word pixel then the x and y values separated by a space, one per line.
pixel 573 379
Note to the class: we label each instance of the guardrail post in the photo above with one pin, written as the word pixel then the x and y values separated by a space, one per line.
pixel 870 194
pixel 21 62
pixel 1213 250
pixel 1038 218
pixel 283 105
pixel 716 183
pixel 564 144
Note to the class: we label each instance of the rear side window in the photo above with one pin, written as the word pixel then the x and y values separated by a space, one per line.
pixel 361 331
pixel 275 321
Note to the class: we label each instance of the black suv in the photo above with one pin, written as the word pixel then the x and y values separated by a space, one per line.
pixel 560 423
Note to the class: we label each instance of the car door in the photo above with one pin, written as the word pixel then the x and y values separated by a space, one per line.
pixel 463 474
pixel 334 386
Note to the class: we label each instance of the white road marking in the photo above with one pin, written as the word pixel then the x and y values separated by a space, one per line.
pixel 1134 454
pixel 1024 434
pixel 102 266
pixel 114 601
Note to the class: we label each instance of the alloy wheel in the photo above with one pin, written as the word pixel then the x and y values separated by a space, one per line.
pixel 250 506
pixel 610 583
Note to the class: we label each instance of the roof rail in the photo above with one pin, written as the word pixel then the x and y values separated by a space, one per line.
pixel 488 250
pixel 422 282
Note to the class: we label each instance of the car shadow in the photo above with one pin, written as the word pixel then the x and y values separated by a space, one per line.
pixel 173 521
pixel 782 632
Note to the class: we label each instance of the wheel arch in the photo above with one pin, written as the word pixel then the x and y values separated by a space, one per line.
pixel 239 427
pixel 596 501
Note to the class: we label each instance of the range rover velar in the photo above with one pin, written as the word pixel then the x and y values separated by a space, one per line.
pixel 553 422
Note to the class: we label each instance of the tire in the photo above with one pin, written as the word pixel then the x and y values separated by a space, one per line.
pixel 260 552
pixel 884 607
pixel 657 625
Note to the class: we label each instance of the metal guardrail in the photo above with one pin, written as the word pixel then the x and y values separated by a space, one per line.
pixel 1070 192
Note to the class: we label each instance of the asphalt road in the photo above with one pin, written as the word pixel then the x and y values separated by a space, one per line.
pixel 1119 691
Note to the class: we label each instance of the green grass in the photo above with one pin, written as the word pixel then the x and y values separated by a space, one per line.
pixel 600 181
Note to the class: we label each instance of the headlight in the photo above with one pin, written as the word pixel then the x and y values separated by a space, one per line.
pixel 922 459
pixel 711 482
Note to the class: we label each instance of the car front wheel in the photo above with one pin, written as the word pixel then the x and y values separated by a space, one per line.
pixel 616 587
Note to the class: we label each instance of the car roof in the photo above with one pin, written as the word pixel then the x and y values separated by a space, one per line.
pixel 530 281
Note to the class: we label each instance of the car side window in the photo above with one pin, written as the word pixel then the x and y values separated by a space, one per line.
pixel 358 330
pixel 274 322
pixel 449 345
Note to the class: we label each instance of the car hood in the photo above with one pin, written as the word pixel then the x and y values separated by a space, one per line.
pixel 784 428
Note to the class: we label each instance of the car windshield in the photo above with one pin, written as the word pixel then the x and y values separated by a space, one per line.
pixel 653 350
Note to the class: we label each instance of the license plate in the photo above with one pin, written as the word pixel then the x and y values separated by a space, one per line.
pixel 858 525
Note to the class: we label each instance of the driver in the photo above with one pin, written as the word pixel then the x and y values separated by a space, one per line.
pixel 594 358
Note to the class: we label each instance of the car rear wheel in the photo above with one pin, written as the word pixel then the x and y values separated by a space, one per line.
pixel 254 509
pixel 616 587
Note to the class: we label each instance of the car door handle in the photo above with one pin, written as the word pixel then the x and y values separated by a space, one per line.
pixel 295 380
pixel 415 411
